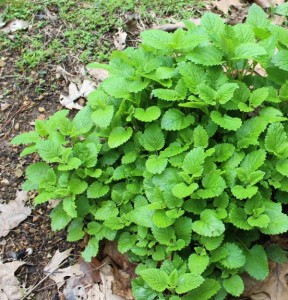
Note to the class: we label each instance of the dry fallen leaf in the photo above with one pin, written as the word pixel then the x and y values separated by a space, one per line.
pixel 56 261
pixel 224 5
pixel 13 213
pixel 173 27
pixel 99 74
pixel 274 287
pixel 74 93
pixel 120 39
pixel 58 274
pixel 268 3
pixel 14 25
pixel 61 274
pixel 121 260
pixel 9 285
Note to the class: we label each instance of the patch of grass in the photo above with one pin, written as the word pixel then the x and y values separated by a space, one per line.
pixel 85 30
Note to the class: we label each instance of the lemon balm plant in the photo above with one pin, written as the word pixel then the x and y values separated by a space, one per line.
pixel 181 155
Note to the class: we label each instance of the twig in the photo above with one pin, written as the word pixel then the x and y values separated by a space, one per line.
pixel 42 280
pixel 21 109
pixel 173 27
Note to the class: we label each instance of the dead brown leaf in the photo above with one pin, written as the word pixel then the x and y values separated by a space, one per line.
pixel 173 27
pixel 9 284
pixel 15 25
pixel 120 39
pixel 121 260
pixel 268 3
pixel 94 285
pixel 85 89
pixel 224 5
pixel 13 213
pixel 274 287
pixel 56 261
pixel 99 74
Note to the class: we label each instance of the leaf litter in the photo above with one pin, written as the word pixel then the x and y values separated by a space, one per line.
pixel 14 25
pixel 274 287
pixel 9 285
pixel 13 213
pixel 224 5
pixel 75 93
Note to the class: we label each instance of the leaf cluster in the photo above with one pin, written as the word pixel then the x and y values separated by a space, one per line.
pixel 181 155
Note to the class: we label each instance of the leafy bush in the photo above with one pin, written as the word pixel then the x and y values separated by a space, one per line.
pixel 181 155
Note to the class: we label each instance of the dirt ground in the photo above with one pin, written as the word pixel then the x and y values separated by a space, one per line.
pixel 21 103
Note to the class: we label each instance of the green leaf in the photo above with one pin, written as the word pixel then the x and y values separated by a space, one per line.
pixel 35 173
pixel 26 138
pixel 119 136
pixel 75 231
pixel 102 117
pixel 238 218
pixel 153 138
pixel 157 39
pixel 165 72
pixel 163 235
pixel 161 220
pixel 91 249
pixel 280 59
pixel 212 24
pixel 276 253
pixel 117 87
pixel 152 113
pixel 183 229
pixel 282 9
pixel 235 258
pixel 249 51
pixel 208 225
pixel 193 161
pixel 107 210
pixel 276 140
pixel 214 185
pixel 226 91
pixel 241 192
pixel 234 285
pixel 188 282
pixel 253 161
pixel 70 207
pixel 156 164
pixel 258 96
pixel 200 137
pixel 205 291
pixel 181 190
pixel 282 167
pixel 43 197
pixel 257 263
pixel 167 95
pixel 97 190
pixel 278 220
pixel 59 218
pixel 244 33
pixel 126 241
pixel 72 163
pixel 223 152
pixel 174 119
pixel 206 55
pixel 257 17
pixel 225 121
pixel 50 151
pixel 260 221
pixel 142 216
pixel 207 94
pixel 82 121
pixel 197 264
pixel 155 278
